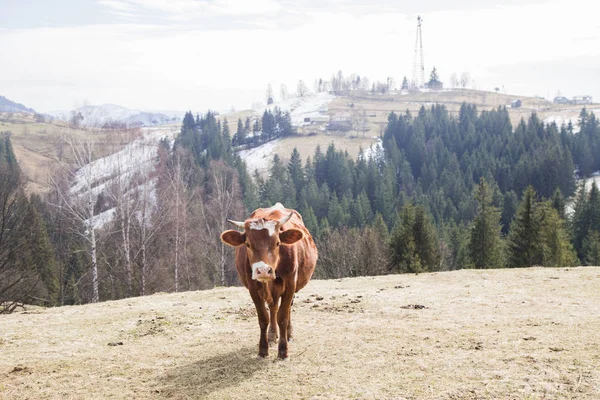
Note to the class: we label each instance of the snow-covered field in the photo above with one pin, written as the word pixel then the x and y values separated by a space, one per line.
pixel 311 106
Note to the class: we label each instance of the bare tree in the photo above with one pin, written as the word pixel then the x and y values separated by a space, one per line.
pixel 78 202
pixel 269 95
pixel 453 80
pixel 177 197
pixel 17 280
pixel 302 89
pixel 465 79
pixel 360 121
pixel 283 91
pixel 121 194
pixel 222 200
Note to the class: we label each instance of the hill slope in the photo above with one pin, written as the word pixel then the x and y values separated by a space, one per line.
pixel 524 334
pixel 7 105
pixel 110 113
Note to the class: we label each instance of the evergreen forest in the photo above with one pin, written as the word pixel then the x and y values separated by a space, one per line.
pixel 440 193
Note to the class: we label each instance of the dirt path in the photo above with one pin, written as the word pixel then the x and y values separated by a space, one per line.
pixel 519 334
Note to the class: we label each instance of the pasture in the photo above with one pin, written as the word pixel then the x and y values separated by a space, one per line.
pixel 471 334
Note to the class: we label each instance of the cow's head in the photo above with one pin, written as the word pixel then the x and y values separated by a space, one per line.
pixel 262 238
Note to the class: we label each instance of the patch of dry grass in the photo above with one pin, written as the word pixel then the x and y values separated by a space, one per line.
pixel 39 145
pixel 519 334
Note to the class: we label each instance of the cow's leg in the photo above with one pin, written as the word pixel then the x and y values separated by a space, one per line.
pixel 290 330
pixel 273 321
pixel 283 317
pixel 263 322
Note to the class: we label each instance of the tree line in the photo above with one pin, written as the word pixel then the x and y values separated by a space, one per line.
pixel 440 193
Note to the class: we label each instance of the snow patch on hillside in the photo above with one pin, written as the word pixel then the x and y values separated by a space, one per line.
pixel 311 106
pixel 561 119
pixel 376 150
pixel 259 158
pixel 138 158
pixel 588 184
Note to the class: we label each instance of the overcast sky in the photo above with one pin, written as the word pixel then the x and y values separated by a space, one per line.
pixel 200 54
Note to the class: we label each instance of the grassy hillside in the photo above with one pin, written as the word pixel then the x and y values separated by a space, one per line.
pixel 378 106
pixel 39 145
pixel 486 334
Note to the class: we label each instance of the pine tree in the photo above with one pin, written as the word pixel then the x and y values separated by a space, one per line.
pixel 434 79
pixel 580 223
pixel 524 238
pixel 556 248
pixel 414 242
pixel 591 249
pixel 509 208
pixel 381 228
pixel 559 203
pixel 239 137
pixel 296 171
pixel 310 220
pixel 404 84
pixel 486 243
pixel 426 240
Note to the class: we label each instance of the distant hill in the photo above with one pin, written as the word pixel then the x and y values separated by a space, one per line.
pixel 111 113
pixel 7 105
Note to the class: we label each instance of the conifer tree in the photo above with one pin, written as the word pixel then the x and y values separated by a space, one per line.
pixel 579 221
pixel 296 171
pixel 591 248
pixel 486 243
pixel 559 203
pixel 404 84
pixel 556 248
pixel 414 242
pixel 524 237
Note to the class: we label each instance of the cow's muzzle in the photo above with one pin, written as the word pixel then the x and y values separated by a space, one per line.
pixel 262 271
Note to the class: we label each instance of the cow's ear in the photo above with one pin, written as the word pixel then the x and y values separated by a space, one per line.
pixel 291 236
pixel 233 238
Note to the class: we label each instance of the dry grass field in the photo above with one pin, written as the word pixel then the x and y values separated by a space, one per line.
pixel 379 106
pixel 39 145
pixel 492 334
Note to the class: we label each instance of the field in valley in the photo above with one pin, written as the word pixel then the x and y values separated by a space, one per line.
pixel 471 334
pixel 39 145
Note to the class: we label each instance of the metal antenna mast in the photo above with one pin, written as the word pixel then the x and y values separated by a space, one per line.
pixel 418 73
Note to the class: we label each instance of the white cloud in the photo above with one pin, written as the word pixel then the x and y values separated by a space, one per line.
pixel 172 66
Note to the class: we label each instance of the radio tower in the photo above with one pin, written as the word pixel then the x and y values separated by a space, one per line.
pixel 418 73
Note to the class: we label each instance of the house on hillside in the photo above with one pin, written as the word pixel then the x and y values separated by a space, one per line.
pixel 339 125
pixel 515 103
pixel 561 100
pixel 582 99
pixel 341 121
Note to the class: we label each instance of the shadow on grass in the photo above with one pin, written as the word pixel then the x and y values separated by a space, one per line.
pixel 211 374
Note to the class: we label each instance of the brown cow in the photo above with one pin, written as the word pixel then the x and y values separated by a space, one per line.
pixel 275 257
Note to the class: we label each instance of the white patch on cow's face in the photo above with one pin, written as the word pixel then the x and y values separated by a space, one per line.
pixel 262 224
pixel 256 266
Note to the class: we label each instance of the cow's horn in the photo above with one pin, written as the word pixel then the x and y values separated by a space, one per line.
pixel 239 224
pixel 285 219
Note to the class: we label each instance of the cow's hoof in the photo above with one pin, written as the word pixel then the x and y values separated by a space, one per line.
pixel 285 359
pixel 263 354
